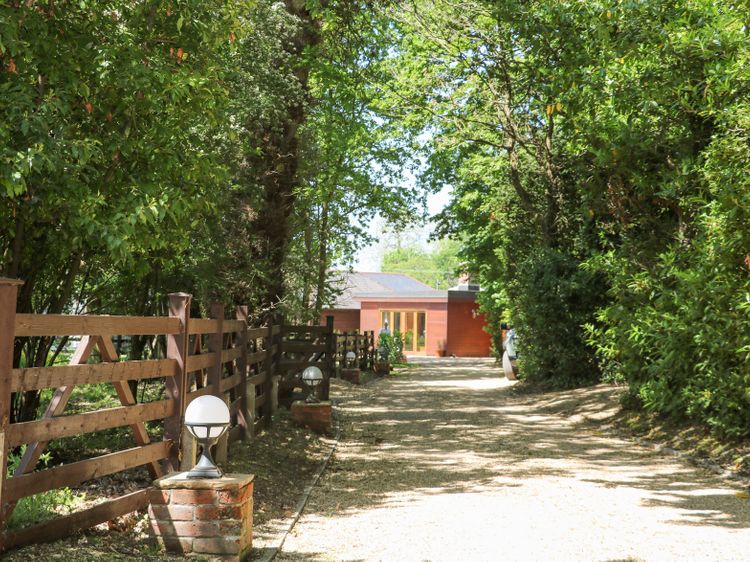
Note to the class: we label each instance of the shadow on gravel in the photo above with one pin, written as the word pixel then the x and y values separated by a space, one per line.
pixel 454 427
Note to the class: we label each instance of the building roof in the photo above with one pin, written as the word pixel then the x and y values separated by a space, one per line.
pixel 356 286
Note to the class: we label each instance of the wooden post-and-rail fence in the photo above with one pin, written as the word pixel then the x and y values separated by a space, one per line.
pixel 219 356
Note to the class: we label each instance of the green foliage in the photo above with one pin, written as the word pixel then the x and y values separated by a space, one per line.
pixel 597 154
pixel 351 166
pixel 227 150
pixel 676 333
pixel 108 113
pixel 393 344
pixel 668 200
pixel 552 299
pixel 40 507
pixel 436 267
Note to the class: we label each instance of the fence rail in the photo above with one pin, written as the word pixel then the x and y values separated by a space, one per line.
pixel 27 325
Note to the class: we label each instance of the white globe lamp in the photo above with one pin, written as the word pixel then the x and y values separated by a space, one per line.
pixel 207 418
pixel 351 358
pixel 312 377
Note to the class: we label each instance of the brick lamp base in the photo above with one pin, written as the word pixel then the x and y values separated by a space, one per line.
pixel 317 415
pixel 382 368
pixel 212 516
pixel 354 376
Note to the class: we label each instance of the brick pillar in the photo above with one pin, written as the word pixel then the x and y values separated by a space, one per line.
pixel 318 416
pixel 212 516
pixel 354 376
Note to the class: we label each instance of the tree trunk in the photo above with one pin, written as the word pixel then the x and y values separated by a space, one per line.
pixel 309 251
pixel 322 276
pixel 279 164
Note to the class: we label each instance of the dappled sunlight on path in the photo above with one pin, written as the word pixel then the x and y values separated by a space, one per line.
pixel 442 462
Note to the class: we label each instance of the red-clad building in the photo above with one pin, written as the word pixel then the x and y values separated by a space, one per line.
pixel 432 322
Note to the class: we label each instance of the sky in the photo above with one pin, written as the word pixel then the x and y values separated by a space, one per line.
pixel 370 257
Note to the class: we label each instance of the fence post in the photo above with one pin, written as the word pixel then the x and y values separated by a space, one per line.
pixel 364 350
pixel 368 347
pixel 373 350
pixel 244 416
pixel 215 372
pixel 368 351
pixel 330 358
pixel 356 347
pixel 267 407
pixel 337 364
pixel 176 386
pixel 345 350
pixel 8 299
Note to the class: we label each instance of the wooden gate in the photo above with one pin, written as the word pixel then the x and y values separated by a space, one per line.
pixel 362 344
pixel 301 347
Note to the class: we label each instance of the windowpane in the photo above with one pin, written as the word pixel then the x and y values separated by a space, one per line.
pixel 409 332
pixel 421 330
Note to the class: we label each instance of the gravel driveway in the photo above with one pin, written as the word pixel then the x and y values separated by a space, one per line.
pixel 442 462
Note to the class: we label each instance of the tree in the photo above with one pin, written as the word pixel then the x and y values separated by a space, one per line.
pixel 437 267
pixel 597 195
pixel 109 112
pixel 474 82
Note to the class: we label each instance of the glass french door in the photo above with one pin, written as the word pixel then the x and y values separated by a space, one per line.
pixel 411 324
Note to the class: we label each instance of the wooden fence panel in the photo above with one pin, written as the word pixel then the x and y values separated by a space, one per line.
pixel 240 362
pixel 238 325
pixel 201 361
pixel 303 346
pixel 126 397
pixel 204 325
pixel 75 473
pixel 287 330
pixel 363 346
pixel 54 425
pixel 68 426
pixel 257 333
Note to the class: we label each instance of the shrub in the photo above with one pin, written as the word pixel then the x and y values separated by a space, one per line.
pixel 393 346
pixel 677 327
pixel 553 298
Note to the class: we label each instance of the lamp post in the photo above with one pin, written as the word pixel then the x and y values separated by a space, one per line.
pixel 207 418
pixel 351 358
pixel 312 377
pixel 382 352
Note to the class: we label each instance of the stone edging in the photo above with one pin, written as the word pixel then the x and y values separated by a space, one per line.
pixel 724 473
pixel 291 521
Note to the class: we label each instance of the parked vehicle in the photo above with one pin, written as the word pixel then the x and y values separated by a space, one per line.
pixel 510 365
